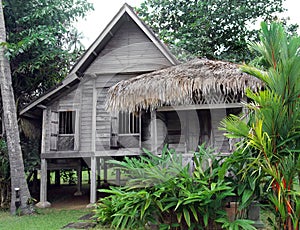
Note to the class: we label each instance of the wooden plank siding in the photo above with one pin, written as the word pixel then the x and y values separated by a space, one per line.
pixel 129 50
pixel 103 122
pixel 128 53
pixel 68 102
pixel 103 118
pixel 85 139
pixel 219 141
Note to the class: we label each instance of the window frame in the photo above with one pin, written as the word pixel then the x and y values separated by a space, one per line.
pixel 68 131
pixel 117 133
pixel 57 134
pixel 128 124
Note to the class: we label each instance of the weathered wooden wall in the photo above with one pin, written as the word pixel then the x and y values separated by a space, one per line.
pixel 219 141
pixel 128 53
pixel 129 50
pixel 69 101
pixel 85 135
pixel 103 118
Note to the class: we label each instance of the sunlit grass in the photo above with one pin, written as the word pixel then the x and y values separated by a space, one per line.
pixel 44 219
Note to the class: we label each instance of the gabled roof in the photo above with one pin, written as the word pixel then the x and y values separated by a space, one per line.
pixel 92 52
pixel 108 33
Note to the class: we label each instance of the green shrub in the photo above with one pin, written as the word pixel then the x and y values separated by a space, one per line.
pixel 162 192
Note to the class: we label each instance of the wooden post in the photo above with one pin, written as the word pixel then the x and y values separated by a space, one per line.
pixel 98 172
pixel 186 131
pixel 35 181
pixel 140 129
pixel 43 190
pixel 153 132
pixel 48 178
pixel 57 178
pixel 79 181
pixel 43 183
pixel 93 184
pixel 118 177
pixel 93 181
pixel 94 117
pixel 245 109
pixel 104 170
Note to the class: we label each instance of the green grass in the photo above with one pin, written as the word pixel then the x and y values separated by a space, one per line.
pixel 47 219
pixel 52 219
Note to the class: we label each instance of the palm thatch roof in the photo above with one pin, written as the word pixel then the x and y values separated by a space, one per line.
pixel 178 85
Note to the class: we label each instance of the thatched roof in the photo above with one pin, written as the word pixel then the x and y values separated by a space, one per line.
pixel 177 85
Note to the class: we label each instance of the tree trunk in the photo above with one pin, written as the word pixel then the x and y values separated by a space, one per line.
pixel 17 173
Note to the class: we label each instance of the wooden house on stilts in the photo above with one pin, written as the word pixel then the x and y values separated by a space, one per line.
pixel 126 92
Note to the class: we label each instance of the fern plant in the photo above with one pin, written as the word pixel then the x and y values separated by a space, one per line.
pixel 161 191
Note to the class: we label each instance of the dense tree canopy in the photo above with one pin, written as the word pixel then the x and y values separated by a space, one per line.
pixel 42 42
pixel 40 45
pixel 218 29
pixel 17 173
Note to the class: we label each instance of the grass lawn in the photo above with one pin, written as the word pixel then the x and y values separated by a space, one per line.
pixel 45 219
pixel 52 219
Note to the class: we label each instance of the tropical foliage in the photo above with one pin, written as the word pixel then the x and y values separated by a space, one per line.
pixel 165 192
pixel 16 165
pixel 269 150
pixel 4 176
pixel 216 29
pixel 42 43
pixel 38 44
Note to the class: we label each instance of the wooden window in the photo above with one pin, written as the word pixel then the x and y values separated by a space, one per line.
pixel 67 122
pixel 129 123
pixel 63 130
pixel 125 130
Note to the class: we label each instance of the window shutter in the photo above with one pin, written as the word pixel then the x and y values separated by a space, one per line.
pixel 53 130
pixel 114 131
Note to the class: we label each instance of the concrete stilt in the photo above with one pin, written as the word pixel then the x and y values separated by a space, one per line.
pixel 43 190
pixel 93 186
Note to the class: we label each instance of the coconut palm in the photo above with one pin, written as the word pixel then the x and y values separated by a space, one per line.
pixel 17 173
pixel 270 133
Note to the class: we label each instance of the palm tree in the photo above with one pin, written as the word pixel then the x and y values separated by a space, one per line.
pixel 272 130
pixel 17 173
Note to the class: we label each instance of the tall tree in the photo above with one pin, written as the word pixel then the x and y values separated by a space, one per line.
pixel 216 29
pixel 18 180
pixel 42 43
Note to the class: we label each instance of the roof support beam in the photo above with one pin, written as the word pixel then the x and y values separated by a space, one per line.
pixel 41 106
pixel 200 106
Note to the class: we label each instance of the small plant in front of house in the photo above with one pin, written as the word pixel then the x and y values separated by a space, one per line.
pixel 163 193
